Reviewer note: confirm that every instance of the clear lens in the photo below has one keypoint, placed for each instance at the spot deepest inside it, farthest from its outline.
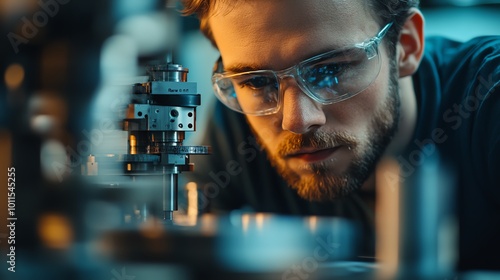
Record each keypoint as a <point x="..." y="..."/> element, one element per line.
<point x="250" y="93"/>
<point x="337" y="76"/>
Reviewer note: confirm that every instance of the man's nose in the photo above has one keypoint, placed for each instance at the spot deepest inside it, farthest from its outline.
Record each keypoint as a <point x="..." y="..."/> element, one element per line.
<point x="301" y="114"/>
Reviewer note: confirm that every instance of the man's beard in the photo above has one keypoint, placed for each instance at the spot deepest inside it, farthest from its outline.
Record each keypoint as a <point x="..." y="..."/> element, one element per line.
<point x="324" y="184"/>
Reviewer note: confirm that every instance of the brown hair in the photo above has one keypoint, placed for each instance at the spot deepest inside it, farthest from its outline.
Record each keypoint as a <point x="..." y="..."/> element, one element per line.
<point x="385" y="11"/>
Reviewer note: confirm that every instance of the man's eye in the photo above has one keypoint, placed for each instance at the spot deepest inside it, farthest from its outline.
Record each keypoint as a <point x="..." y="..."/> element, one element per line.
<point x="325" y="75"/>
<point x="258" y="82"/>
<point x="332" y="69"/>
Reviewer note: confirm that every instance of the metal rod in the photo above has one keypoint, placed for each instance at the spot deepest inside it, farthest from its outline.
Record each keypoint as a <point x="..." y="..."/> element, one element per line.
<point x="169" y="194"/>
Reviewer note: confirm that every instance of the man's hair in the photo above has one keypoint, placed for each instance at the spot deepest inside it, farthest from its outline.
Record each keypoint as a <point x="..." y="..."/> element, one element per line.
<point x="384" y="11"/>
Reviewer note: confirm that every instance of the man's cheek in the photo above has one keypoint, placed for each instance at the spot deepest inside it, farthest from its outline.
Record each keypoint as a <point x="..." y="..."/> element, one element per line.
<point x="264" y="134"/>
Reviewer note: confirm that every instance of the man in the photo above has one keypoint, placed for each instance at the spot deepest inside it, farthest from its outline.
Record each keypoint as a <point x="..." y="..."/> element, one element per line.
<point x="315" y="93"/>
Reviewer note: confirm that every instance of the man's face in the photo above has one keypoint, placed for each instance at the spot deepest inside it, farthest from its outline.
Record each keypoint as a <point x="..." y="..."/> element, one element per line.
<point x="323" y="151"/>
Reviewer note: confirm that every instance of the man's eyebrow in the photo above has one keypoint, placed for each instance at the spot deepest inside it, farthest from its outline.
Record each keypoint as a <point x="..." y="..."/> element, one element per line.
<point x="239" y="68"/>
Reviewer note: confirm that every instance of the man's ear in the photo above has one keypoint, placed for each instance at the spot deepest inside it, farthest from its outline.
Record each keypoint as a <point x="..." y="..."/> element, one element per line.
<point x="411" y="44"/>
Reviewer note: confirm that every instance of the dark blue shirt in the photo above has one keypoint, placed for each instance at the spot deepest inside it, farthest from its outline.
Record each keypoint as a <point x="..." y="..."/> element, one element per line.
<point x="458" y="89"/>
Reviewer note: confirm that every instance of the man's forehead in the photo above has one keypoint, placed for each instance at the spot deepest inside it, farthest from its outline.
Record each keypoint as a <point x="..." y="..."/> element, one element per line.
<point x="337" y="7"/>
<point x="283" y="27"/>
<point x="247" y="16"/>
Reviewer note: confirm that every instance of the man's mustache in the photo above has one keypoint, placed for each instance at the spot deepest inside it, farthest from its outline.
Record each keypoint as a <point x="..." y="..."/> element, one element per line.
<point x="315" y="139"/>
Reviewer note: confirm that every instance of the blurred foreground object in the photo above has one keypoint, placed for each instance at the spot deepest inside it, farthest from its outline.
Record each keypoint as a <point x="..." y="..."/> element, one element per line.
<point x="416" y="220"/>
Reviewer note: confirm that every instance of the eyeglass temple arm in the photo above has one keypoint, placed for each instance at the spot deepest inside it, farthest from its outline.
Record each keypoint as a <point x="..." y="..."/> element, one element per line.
<point x="382" y="33"/>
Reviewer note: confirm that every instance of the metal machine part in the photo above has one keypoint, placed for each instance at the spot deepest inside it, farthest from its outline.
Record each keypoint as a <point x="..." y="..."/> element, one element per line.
<point x="162" y="110"/>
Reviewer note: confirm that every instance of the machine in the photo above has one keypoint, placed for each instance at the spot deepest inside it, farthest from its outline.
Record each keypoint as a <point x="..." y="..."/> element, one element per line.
<point x="162" y="110"/>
